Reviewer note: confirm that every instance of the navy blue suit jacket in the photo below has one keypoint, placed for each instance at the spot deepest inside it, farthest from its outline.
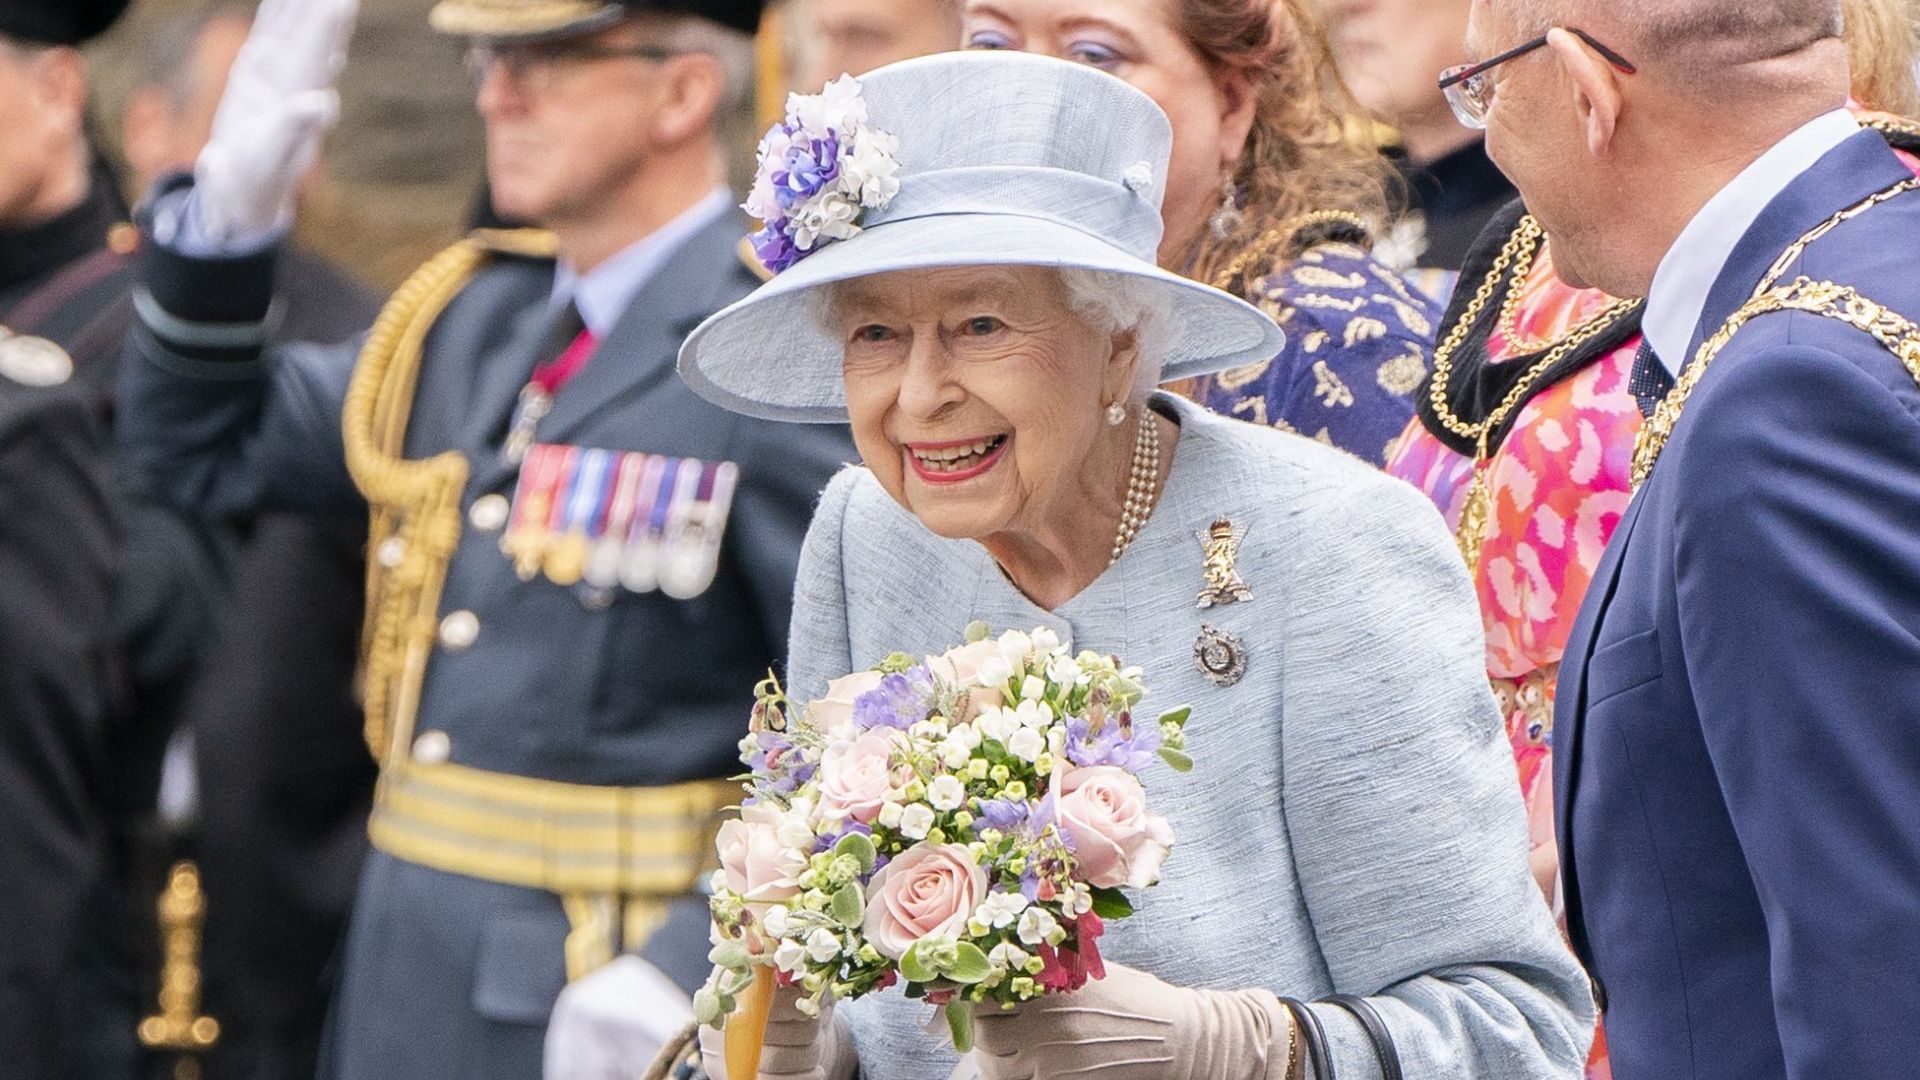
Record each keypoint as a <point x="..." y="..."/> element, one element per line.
<point x="1738" y="737"/>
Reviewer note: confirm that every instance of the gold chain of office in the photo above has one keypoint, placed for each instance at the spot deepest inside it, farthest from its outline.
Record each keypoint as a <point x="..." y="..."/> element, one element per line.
<point x="1509" y="270"/>
<point x="1896" y="333"/>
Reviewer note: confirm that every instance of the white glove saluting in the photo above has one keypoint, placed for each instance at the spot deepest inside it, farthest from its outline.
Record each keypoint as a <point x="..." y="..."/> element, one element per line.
<point x="279" y="103"/>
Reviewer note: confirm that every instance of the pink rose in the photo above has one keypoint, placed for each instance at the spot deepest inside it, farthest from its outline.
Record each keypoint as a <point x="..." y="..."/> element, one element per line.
<point x="855" y="775"/>
<point x="833" y="713"/>
<point x="961" y="668"/>
<point x="752" y="856"/>
<point x="1103" y="810"/>
<point x="926" y="890"/>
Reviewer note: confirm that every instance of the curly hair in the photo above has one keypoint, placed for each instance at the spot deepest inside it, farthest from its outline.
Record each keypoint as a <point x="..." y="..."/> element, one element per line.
<point x="1311" y="147"/>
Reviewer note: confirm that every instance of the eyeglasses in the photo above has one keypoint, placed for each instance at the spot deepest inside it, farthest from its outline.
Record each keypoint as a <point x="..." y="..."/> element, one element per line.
<point x="1470" y="91"/>
<point x="531" y="67"/>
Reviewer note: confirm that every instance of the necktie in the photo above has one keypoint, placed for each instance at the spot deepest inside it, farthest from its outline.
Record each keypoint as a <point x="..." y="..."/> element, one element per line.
<point x="575" y="344"/>
<point x="1650" y="381"/>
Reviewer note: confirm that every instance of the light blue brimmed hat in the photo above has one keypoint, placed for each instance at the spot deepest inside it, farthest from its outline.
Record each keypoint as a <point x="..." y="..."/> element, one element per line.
<point x="958" y="159"/>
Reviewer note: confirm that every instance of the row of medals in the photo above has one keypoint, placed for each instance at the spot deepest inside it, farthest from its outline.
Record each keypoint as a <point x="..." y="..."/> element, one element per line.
<point x="608" y="519"/>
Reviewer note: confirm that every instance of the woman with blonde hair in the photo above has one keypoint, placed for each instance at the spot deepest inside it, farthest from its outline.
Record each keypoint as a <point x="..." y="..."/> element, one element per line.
<point x="1274" y="194"/>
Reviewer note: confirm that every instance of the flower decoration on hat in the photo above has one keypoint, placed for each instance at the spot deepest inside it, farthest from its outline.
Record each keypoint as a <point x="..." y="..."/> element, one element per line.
<point x="821" y="170"/>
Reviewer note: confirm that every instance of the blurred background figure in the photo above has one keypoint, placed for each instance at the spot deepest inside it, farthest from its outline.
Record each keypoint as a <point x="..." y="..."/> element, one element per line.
<point x="852" y="37"/>
<point x="268" y="775"/>
<point x="1391" y="53"/>
<point x="59" y="552"/>
<point x="1883" y="38"/>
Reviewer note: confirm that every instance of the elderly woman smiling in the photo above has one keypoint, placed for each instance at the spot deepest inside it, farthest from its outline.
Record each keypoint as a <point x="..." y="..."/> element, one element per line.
<point x="982" y="305"/>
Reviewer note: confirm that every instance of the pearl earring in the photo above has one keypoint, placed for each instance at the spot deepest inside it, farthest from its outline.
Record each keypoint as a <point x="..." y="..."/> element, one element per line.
<point x="1116" y="414"/>
<point x="1227" y="220"/>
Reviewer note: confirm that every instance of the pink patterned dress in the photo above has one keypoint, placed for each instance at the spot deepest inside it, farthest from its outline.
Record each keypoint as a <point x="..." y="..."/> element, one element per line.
<point x="1559" y="483"/>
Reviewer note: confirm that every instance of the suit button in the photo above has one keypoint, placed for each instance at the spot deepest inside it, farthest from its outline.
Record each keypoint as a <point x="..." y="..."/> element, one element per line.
<point x="489" y="513"/>
<point x="459" y="631"/>
<point x="1599" y="992"/>
<point x="433" y="748"/>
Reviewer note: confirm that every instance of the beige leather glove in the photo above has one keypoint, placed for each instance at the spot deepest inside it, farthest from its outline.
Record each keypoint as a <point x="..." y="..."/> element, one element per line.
<point x="798" y="1046"/>
<point x="1132" y="1026"/>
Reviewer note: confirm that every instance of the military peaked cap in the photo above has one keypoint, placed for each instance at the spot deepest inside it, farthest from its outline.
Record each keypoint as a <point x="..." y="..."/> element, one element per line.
<point x="535" y="19"/>
<point x="58" y="22"/>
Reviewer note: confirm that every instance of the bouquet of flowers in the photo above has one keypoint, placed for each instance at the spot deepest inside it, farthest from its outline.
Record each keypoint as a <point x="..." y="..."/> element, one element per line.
<point x="962" y="823"/>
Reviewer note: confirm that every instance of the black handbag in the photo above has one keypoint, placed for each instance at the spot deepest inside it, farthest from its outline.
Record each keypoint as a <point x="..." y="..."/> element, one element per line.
<point x="1383" y="1047"/>
<point x="1317" y="1056"/>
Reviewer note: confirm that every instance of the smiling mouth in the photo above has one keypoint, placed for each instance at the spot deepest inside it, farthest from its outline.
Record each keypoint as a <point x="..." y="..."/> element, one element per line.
<point x="952" y="462"/>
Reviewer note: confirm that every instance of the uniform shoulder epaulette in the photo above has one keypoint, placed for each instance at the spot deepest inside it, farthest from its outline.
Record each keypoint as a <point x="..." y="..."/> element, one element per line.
<point x="517" y="243"/>
<point x="751" y="260"/>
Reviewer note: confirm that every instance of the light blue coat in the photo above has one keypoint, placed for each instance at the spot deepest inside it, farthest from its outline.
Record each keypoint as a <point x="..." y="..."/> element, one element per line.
<point x="1353" y="823"/>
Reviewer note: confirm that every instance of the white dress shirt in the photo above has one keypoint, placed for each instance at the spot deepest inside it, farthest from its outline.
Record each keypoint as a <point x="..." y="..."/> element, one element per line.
<point x="1687" y="274"/>
<point x="604" y="293"/>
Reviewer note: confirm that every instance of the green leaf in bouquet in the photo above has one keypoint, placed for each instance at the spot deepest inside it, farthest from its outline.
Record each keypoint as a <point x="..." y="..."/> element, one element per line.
<point x="978" y="631"/>
<point x="914" y="968"/>
<point x="960" y="1024"/>
<point x="735" y="982"/>
<point x="1180" y="760"/>
<point x="1111" y="904"/>
<point x="706" y="1007"/>
<point x="860" y="846"/>
<point x="730" y="955"/>
<point x="969" y="964"/>
<point x="849" y="905"/>
<point x="1177" y="716"/>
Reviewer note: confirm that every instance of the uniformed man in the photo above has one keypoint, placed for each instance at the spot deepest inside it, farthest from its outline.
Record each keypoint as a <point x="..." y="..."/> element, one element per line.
<point x="580" y="568"/>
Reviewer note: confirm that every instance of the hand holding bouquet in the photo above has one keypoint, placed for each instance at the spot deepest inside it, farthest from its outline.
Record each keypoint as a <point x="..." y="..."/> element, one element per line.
<point x="963" y="823"/>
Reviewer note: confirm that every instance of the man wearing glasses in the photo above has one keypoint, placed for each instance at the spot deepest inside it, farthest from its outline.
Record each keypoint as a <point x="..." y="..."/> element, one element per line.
<point x="578" y="568"/>
<point x="1738" y="733"/>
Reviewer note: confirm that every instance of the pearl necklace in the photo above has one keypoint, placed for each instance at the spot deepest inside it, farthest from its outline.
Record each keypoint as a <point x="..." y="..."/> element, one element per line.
<point x="1141" y="484"/>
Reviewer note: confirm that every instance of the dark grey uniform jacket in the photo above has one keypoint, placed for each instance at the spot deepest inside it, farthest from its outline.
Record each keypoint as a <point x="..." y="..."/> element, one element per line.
<point x="448" y="976"/>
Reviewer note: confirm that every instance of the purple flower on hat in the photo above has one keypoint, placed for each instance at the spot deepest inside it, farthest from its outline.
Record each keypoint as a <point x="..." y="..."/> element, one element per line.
<point x="820" y="171"/>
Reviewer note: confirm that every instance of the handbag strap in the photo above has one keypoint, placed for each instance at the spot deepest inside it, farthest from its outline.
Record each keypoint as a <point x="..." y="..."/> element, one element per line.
<point x="1369" y="1017"/>
<point x="1319" y="1057"/>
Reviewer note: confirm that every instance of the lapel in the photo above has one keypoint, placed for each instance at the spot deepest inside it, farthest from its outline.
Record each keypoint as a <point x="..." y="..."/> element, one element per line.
<point x="641" y="349"/>
<point x="1571" y="706"/>
<point x="1846" y="175"/>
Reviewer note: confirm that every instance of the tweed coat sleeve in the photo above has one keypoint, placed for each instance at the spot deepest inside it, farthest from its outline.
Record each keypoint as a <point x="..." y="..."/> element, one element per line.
<point x="819" y="647"/>
<point x="1403" y="811"/>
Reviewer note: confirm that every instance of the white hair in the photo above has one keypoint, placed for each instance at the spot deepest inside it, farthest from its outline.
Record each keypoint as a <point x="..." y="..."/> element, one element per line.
<point x="1108" y="302"/>
<point x="1124" y="303"/>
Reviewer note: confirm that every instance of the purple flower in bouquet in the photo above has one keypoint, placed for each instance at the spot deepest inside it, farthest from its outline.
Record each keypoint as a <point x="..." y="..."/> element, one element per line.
<point x="900" y="701"/>
<point x="1002" y="814"/>
<point x="1119" y="743"/>
<point x="773" y="765"/>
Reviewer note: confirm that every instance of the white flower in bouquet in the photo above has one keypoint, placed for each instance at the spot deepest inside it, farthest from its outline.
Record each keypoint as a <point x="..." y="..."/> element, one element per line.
<point x="822" y="945"/>
<point x="1027" y="744"/>
<point x="1001" y="909"/>
<point x="916" y="821"/>
<point x="1039" y="927"/>
<point x="946" y="793"/>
